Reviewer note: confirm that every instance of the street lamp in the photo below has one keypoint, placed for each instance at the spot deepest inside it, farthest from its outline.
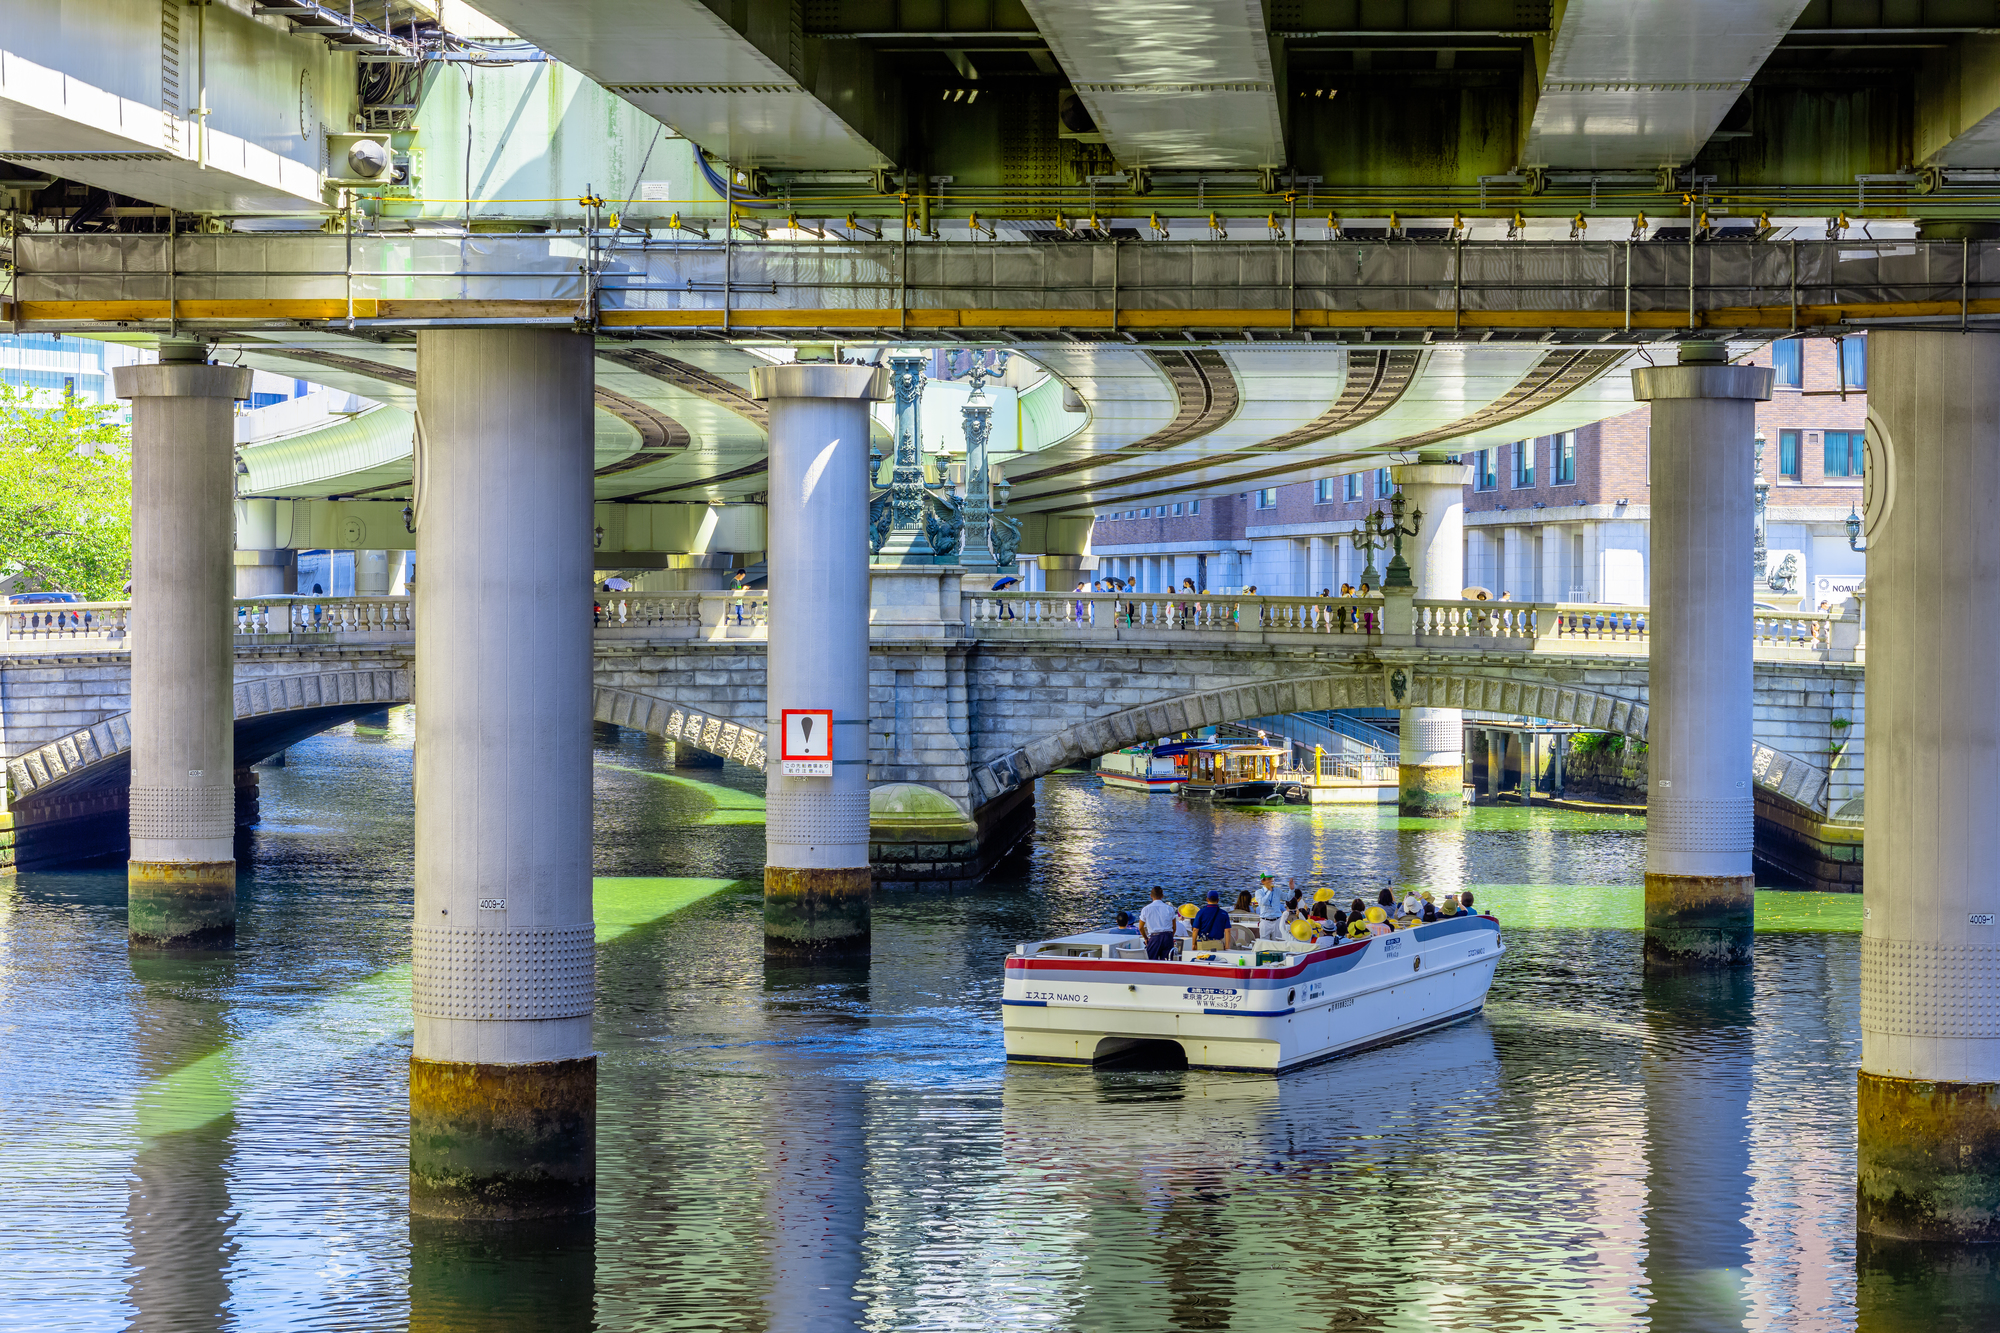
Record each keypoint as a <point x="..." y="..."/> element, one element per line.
<point x="1759" y="554"/>
<point x="1854" y="542"/>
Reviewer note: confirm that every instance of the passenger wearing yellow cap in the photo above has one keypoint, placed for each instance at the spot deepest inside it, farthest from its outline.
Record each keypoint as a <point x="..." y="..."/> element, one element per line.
<point x="1378" y="922"/>
<point x="1184" y="927"/>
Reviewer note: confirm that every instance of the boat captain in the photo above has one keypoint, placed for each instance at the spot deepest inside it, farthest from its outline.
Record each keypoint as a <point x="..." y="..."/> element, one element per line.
<point x="1270" y="909"/>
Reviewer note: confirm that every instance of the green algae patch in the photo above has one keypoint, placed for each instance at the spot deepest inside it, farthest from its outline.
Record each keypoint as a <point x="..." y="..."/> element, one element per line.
<point x="622" y="905"/>
<point x="1785" y="910"/>
<point x="1623" y="907"/>
<point x="730" y="805"/>
<point x="372" y="1009"/>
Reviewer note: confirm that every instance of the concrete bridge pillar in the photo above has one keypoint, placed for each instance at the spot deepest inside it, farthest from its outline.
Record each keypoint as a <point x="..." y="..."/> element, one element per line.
<point x="1699" y="806"/>
<point x="181" y="879"/>
<point x="816" y="873"/>
<point x="503" y="1084"/>
<point x="1430" y="767"/>
<point x="1929" y="1094"/>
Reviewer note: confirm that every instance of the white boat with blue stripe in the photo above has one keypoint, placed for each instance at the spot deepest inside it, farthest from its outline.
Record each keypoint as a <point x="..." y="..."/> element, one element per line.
<point x="1095" y="998"/>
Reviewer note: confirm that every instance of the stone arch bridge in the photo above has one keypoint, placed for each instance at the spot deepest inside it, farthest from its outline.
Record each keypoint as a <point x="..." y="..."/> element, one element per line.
<point x="971" y="708"/>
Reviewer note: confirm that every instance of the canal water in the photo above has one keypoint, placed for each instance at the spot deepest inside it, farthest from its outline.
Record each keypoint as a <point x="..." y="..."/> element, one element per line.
<point x="217" y="1141"/>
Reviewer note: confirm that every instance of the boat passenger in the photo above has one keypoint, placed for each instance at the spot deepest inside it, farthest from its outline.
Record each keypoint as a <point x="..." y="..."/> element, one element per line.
<point x="1124" y="925"/>
<point x="1386" y="900"/>
<point x="1337" y="924"/>
<point x="1449" y="908"/>
<point x="1184" y="926"/>
<point x="1378" y="921"/>
<point x="1413" y="906"/>
<point x="1211" y="924"/>
<point x="1244" y="903"/>
<point x="1430" y="912"/>
<point x="1270" y="908"/>
<point x="1156" y="923"/>
<point x="1465" y="902"/>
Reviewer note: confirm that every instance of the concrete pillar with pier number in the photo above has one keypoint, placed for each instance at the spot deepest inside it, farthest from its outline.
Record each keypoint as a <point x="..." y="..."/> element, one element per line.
<point x="1699" y="805"/>
<point x="503" y="1083"/>
<point x="1929" y="1094"/>
<point x="181" y="879"/>
<point x="817" y="881"/>
<point x="1430" y="765"/>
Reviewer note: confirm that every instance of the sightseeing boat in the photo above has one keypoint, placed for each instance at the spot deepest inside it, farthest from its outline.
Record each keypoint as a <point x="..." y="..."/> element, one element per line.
<point x="1237" y="773"/>
<point x="1095" y="998"/>
<point x="1162" y="767"/>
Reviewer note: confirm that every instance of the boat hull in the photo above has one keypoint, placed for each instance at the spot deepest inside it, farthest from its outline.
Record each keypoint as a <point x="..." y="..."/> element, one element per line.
<point x="1130" y="782"/>
<point x="1329" y="1003"/>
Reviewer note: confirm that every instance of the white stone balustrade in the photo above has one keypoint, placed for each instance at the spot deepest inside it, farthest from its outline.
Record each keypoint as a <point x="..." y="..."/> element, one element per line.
<point x="1555" y="628"/>
<point x="325" y="619"/>
<point x="1172" y="614"/>
<point x="55" y="623"/>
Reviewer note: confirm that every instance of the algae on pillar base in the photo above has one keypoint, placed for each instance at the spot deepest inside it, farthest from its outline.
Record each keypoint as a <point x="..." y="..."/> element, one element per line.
<point x="181" y="878"/>
<point x="1699" y="902"/>
<point x="1928" y="1095"/>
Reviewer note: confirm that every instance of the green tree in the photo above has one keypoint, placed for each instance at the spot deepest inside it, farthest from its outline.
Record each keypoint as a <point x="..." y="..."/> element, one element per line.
<point x="65" y="494"/>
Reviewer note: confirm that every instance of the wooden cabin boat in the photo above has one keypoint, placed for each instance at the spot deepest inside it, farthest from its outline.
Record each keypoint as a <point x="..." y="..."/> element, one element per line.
<point x="1235" y="773"/>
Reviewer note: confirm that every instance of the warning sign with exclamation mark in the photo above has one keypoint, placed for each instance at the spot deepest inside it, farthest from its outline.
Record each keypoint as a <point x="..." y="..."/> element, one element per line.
<point x="806" y="749"/>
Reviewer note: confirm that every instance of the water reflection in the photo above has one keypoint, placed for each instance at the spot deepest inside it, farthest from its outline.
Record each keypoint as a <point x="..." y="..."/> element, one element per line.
<point x="221" y="1142"/>
<point x="1698" y="1074"/>
<point x="178" y="1216"/>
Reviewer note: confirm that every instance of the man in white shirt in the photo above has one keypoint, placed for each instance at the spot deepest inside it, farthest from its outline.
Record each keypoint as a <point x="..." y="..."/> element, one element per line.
<point x="1270" y="909"/>
<point x="1156" y="919"/>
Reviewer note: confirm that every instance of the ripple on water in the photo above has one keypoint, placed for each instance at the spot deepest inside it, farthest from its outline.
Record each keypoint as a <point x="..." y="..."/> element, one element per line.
<point x="219" y="1140"/>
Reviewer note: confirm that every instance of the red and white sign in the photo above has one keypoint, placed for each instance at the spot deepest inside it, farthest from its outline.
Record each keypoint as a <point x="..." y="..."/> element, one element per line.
<point x="806" y="748"/>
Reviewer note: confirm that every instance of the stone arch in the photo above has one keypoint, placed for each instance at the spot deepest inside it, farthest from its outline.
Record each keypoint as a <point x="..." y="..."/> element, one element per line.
<point x="1372" y="686"/>
<point x="662" y="717"/>
<point x="272" y="712"/>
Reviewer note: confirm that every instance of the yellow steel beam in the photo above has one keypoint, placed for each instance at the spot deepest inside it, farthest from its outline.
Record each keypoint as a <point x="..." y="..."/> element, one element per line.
<point x="250" y="311"/>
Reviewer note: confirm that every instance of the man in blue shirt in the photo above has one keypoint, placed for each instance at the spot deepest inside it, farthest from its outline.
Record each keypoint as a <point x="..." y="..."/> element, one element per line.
<point x="1270" y="909"/>
<point x="1211" y="923"/>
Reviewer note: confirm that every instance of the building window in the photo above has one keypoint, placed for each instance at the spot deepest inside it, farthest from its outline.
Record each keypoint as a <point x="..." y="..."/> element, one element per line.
<point x="1524" y="464"/>
<point x="1268" y="498"/>
<point x="1326" y="490"/>
<point x="1485" y="474"/>
<point x="1788" y="455"/>
<point x="1788" y="360"/>
<point x="1843" y="453"/>
<point x="1351" y="488"/>
<point x="1194" y="507"/>
<point x="1177" y="511"/>
<point x="1854" y="362"/>
<point x="1562" y="453"/>
<point x="1383" y="486"/>
<point x="1129" y="513"/>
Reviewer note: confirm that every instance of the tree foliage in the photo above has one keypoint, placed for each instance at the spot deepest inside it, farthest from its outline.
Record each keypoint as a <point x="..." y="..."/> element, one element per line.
<point x="65" y="494"/>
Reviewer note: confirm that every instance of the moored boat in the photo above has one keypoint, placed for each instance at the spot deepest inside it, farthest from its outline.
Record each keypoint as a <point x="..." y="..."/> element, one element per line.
<point x="1238" y="773"/>
<point x="1162" y="767"/>
<point x="1095" y="997"/>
